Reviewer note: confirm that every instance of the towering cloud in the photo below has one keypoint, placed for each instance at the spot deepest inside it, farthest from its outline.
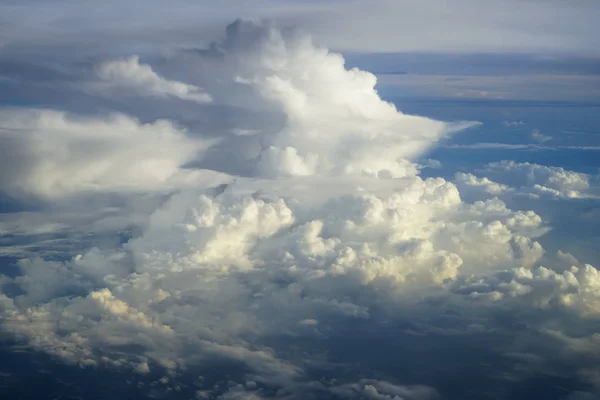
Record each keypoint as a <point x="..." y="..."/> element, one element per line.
<point x="321" y="119"/>
<point x="322" y="266"/>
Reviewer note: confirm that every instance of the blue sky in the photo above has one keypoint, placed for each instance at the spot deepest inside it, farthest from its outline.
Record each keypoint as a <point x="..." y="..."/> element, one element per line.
<point x="323" y="200"/>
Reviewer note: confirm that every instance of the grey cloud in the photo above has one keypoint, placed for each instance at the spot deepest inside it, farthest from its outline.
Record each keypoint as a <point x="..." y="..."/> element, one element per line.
<point x="386" y="26"/>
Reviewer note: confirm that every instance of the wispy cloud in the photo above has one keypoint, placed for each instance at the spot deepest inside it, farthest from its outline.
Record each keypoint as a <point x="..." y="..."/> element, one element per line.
<point x="512" y="124"/>
<point x="512" y="146"/>
<point x="557" y="87"/>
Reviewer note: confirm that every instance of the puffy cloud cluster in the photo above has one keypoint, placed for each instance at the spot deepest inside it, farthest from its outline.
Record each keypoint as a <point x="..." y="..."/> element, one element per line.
<point x="226" y="273"/>
<point x="326" y="238"/>
<point x="577" y="288"/>
<point x="532" y="180"/>
<point x="540" y="180"/>
<point x="130" y="74"/>
<point x="479" y="188"/>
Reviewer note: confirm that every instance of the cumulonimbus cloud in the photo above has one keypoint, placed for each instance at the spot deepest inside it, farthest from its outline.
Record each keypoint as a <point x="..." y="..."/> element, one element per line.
<point x="325" y="252"/>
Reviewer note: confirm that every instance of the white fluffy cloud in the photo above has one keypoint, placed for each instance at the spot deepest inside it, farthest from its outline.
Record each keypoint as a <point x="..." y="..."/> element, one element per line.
<point x="577" y="288"/>
<point x="328" y="235"/>
<point x="128" y="73"/>
<point x="479" y="188"/>
<point x="327" y="120"/>
<point x="540" y="180"/>
<point x="52" y="153"/>
<point x="506" y="178"/>
<point x="322" y="119"/>
<point x="222" y="274"/>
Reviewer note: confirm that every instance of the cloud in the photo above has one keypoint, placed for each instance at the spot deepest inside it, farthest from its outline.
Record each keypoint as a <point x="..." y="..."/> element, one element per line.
<point x="386" y="26"/>
<point x="52" y="153"/>
<point x="540" y="179"/>
<point x="381" y="390"/>
<point x="431" y="163"/>
<point x="308" y="259"/>
<point x="508" y="146"/>
<point x="473" y="187"/>
<point x="221" y="274"/>
<point x="539" y="137"/>
<point x="322" y="120"/>
<point x="332" y="121"/>
<point x="575" y="289"/>
<point x="488" y="146"/>
<point x="512" y="182"/>
<point x="130" y="74"/>
<point x="486" y="21"/>
<point x="494" y="84"/>
<point x="513" y="123"/>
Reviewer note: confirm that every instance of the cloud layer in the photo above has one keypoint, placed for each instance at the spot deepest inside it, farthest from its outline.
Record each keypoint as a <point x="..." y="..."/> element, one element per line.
<point x="460" y="26"/>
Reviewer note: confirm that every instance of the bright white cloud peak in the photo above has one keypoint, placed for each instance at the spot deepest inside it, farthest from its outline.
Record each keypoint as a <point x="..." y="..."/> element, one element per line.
<point x="327" y="237"/>
<point x="333" y="121"/>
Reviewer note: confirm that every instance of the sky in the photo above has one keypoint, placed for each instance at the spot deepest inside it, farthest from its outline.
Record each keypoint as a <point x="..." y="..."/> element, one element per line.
<point x="351" y="199"/>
